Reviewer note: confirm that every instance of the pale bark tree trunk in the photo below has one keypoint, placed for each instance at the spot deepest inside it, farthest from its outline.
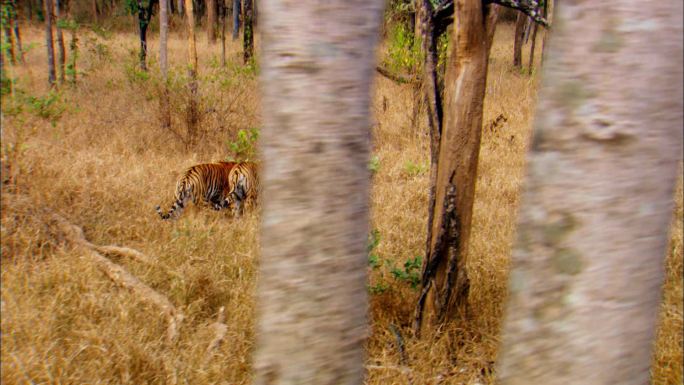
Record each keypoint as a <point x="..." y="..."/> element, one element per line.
<point x="180" y="7"/>
<point x="248" y="33"/>
<point x="223" y="11"/>
<point x="587" y="265"/>
<point x="520" y="23"/>
<point x="163" y="62"/>
<point x="315" y="216"/>
<point x="61" y="53"/>
<point x="49" y="42"/>
<point x="445" y="282"/>
<point x="236" y="18"/>
<point x="211" y="21"/>
<point x="192" y="112"/>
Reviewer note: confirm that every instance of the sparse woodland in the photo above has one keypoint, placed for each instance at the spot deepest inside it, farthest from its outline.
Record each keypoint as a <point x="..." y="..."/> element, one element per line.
<point x="105" y="102"/>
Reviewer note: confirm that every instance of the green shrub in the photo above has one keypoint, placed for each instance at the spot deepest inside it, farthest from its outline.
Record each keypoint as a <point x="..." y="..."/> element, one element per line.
<point x="244" y="146"/>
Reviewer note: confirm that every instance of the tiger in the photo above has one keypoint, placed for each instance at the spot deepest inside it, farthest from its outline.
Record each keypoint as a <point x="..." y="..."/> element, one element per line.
<point x="209" y="181"/>
<point x="243" y="187"/>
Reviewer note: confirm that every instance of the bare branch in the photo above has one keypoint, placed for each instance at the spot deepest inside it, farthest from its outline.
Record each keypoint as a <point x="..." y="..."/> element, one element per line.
<point x="399" y="78"/>
<point x="528" y="7"/>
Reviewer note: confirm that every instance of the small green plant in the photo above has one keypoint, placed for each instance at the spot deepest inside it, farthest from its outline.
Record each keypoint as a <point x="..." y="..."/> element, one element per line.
<point x="414" y="169"/>
<point x="374" y="164"/>
<point x="373" y="241"/>
<point x="378" y="288"/>
<point x="244" y="146"/>
<point x="48" y="107"/>
<point x="403" y="52"/>
<point x="410" y="273"/>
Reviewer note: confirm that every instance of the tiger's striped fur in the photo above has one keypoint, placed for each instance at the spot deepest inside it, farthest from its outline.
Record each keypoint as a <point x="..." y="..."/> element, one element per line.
<point x="208" y="181"/>
<point x="244" y="187"/>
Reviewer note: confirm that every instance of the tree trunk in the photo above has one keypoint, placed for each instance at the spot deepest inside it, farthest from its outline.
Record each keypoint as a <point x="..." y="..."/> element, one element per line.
<point x="61" y="53"/>
<point x="96" y="13"/>
<point x="315" y="214"/>
<point x="211" y="21"/>
<point x="192" y="112"/>
<point x="520" y="23"/>
<point x="222" y="13"/>
<point x="445" y="282"/>
<point x="587" y="265"/>
<point x="236" y="18"/>
<point x="7" y="21"/>
<point x="163" y="62"/>
<point x="180" y="7"/>
<point x="548" y="15"/>
<point x="534" y="42"/>
<point x="73" y="54"/>
<point x="144" y="17"/>
<point x="17" y="35"/>
<point x="49" y="42"/>
<point x="248" y="33"/>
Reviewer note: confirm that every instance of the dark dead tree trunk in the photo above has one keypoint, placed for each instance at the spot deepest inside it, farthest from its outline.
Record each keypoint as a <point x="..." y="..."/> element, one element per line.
<point x="61" y="53"/>
<point x="520" y="23"/>
<point x="95" y="10"/>
<point x="49" y="42"/>
<point x="248" y="33"/>
<point x="144" y="17"/>
<point x="222" y="14"/>
<point x="532" y="46"/>
<point x="236" y="18"/>
<point x="587" y="267"/>
<point x="211" y="20"/>
<point x="312" y="331"/>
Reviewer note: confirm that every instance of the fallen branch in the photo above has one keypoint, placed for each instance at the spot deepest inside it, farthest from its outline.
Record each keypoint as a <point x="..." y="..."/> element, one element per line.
<point x="528" y="7"/>
<point x="399" y="78"/>
<point x="220" y="329"/>
<point x="127" y="252"/>
<point x="119" y="275"/>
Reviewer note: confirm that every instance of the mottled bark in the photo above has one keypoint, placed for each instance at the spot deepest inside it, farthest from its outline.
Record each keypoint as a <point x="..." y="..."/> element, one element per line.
<point x="318" y="66"/>
<point x="192" y="115"/>
<point x="593" y="228"/>
<point x="49" y="42"/>
<point x="61" y="51"/>
<point x="248" y="33"/>
<point x="211" y="21"/>
<point x="445" y="282"/>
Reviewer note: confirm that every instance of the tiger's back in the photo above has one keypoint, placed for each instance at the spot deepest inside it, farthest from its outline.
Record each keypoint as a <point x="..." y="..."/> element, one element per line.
<point x="208" y="181"/>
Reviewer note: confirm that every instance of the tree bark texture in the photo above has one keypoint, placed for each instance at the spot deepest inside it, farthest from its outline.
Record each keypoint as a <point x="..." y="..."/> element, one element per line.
<point x="61" y="53"/>
<point x="49" y="42"/>
<point x="165" y="108"/>
<point x="520" y="24"/>
<point x="445" y="283"/>
<point x="587" y="266"/>
<point x="248" y="33"/>
<point x="318" y="66"/>
<point x="236" y="18"/>
<point x="193" y="103"/>
<point x="211" y="20"/>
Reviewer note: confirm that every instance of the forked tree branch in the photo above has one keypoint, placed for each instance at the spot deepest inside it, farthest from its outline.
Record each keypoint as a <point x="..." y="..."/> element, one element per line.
<point x="528" y="7"/>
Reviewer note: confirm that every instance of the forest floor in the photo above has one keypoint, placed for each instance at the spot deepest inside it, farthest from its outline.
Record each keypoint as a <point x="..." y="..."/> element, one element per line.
<point x="96" y="154"/>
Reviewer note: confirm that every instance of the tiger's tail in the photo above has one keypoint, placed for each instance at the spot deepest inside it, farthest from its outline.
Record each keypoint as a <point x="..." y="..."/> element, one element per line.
<point x="182" y="196"/>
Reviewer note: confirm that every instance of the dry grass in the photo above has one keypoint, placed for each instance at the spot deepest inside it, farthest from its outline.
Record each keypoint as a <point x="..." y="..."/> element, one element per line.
<point x="106" y="163"/>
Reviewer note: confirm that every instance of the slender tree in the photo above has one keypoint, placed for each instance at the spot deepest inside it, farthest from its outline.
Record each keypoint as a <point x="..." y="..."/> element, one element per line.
<point x="222" y="15"/>
<point x="236" y="18"/>
<point x="95" y="10"/>
<point x="193" y="103"/>
<point x="49" y="41"/>
<point x="61" y="53"/>
<point x="17" y="34"/>
<point x="315" y="214"/>
<point x="520" y="25"/>
<point x="532" y="46"/>
<point x="211" y="20"/>
<point x="587" y="265"/>
<point x="163" y="62"/>
<point x="7" y="20"/>
<point x="144" y="17"/>
<point x="248" y="33"/>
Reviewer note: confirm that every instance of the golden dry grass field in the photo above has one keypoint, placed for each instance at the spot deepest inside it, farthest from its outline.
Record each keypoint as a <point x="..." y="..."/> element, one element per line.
<point x="97" y="155"/>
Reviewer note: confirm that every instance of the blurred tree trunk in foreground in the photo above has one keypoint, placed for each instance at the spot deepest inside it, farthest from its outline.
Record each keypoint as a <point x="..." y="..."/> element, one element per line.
<point x="49" y="42"/>
<point x="587" y="265"/>
<point x="248" y="32"/>
<point x="457" y="145"/>
<point x="318" y="66"/>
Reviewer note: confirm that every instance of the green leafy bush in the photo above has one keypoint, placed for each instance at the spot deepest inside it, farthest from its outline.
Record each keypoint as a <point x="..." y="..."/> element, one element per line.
<point x="244" y="146"/>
